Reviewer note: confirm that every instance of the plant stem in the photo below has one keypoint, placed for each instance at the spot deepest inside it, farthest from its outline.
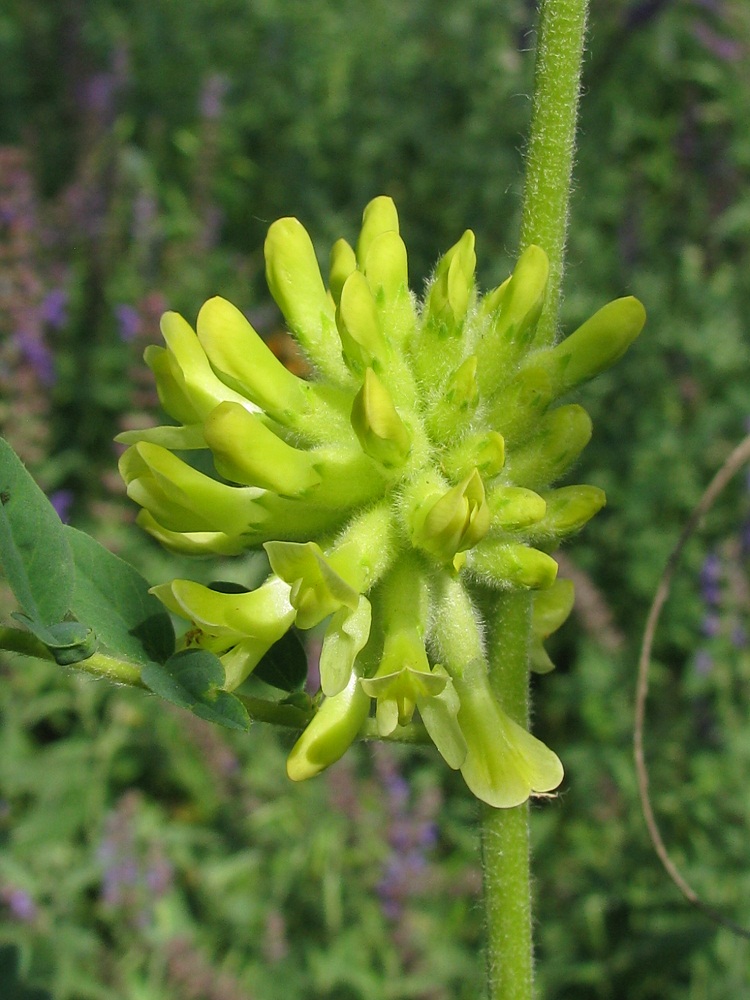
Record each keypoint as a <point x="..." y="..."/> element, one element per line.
<point x="505" y="832"/>
<point x="21" y="642"/>
<point x="549" y="160"/>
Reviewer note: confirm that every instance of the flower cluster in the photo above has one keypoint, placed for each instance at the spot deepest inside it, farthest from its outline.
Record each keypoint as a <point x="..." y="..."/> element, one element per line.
<point x="399" y="493"/>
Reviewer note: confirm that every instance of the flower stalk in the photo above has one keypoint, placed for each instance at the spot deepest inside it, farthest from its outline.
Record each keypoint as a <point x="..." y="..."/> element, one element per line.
<point x="514" y="644"/>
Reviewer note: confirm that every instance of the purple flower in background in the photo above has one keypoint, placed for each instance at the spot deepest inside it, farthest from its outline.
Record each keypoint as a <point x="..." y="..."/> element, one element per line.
<point x="710" y="579"/>
<point x="711" y="625"/>
<point x="134" y="874"/>
<point x="19" y="903"/>
<point x="724" y="48"/>
<point x="128" y="321"/>
<point x="739" y="637"/>
<point x="99" y="92"/>
<point x="38" y="355"/>
<point x="411" y="833"/>
<point x="54" y="308"/>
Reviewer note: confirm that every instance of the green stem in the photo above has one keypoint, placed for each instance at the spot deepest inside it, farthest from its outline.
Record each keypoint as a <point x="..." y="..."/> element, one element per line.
<point x="549" y="160"/>
<point x="505" y="833"/>
<point x="15" y="640"/>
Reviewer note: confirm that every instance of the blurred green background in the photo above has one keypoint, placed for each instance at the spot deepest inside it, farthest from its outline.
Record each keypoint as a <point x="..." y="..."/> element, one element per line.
<point x="145" y="147"/>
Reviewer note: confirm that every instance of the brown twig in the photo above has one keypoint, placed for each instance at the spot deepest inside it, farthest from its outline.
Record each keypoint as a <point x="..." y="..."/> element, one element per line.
<point x="733" y="464"/>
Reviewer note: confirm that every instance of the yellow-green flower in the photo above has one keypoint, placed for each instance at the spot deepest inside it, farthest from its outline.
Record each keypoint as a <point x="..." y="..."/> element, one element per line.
<point x="397" y="492"/>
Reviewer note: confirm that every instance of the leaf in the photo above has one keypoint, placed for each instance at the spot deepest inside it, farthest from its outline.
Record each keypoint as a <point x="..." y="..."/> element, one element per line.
<point x="112" y="598"/>
<point x="285" y="664"/>
<point x="193" y="679"/>
<point x="34" y="551"/>
<point x="68" y="641"/>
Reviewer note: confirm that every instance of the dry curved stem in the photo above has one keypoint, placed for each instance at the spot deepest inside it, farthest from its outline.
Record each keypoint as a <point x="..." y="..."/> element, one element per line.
<point x="733" y="464"/>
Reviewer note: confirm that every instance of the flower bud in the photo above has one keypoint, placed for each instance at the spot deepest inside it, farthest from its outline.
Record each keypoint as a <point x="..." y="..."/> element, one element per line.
<point x="484" y="451"/>
<point x="568" y="509"/>
<point x="331" y="732"/>
<point x="294" y="280"/>
<point x="457" y="402"/>
<point x="511" y="327"/>
<point x="169" y="386"/>
<point x="511" y="565"/>
<point x="343" y="262"/>
<point x="380" y="216"/>
<point x="244" y="362"/>
<point x="451" y="289"/>
<point x="359" y="326"/>
<point x="440" y="345"/>
<point x="492" y="300"/>
<point x="191" y="369"/>
<point x="513" y="507"/>
<point x="246" y="451"/>
<point x="444" y="525"/>
<point x="182" y="499"/>
<point x="387" y="272"/>
<point x="593" y="347"/>
<point x="561" y="435"/>
<point x="380" y="430"/>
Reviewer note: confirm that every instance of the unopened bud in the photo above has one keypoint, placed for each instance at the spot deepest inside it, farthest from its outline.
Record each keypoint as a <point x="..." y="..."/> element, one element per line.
<point x="511" y="565"/>
<point x="447" y="524"/>
<point x="245" y="363"/>
<point x="246" y="451"/>
<point x="561" y="435"/>
<point x="294" y="280"/>
<point x="359" y="325"/>
<point x="512" y="326"/>
<point x="380" y="430"/>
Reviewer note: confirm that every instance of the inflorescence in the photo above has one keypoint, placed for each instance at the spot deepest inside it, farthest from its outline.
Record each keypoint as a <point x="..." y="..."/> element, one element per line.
<point x="400" y="494"/>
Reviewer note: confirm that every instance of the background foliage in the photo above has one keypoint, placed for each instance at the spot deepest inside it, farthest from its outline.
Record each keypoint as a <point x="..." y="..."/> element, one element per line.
<point x="144" y="149"/>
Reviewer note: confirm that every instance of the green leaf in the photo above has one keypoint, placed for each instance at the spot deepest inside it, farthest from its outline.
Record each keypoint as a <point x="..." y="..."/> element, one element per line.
<point x="193" y="679"/>
<point x="68" y="641"/>
<point x="34" y="551"/>
<point x="285" y="664"/>
<point x="112" y="598"/>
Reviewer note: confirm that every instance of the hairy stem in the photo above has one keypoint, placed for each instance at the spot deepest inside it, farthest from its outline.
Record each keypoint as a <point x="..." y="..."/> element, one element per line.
<point x="549" y="160"/>
<point x="505" y="833"/>
<point x="15" y="640"/>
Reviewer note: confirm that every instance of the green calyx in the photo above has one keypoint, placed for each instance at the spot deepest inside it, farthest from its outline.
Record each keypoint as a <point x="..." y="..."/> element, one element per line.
<point x="403" y="488"/>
